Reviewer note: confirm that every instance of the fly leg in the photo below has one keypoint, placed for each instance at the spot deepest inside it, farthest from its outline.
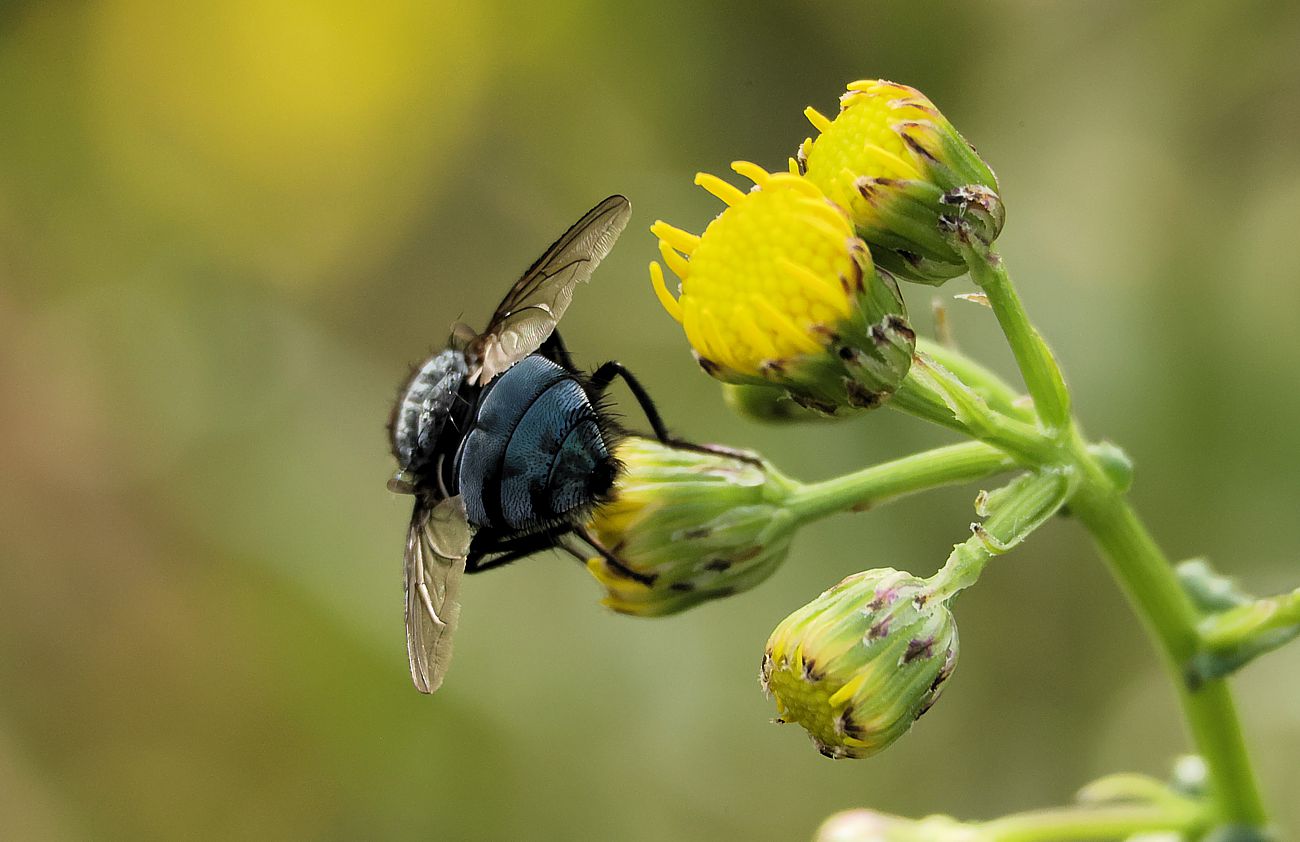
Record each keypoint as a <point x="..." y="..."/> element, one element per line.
<point x="505" y="550"/>
<point x="602" y="377"/>
<point x="610" y="559"/>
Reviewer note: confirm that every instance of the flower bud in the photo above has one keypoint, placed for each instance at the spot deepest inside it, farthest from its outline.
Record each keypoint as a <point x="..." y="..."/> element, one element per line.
<point x="899" y="168"/>
<point x="687" y="525"/>
<point x="857" y="665"/>
<point x="872" y="826"/>
<point x="778" y="291"/>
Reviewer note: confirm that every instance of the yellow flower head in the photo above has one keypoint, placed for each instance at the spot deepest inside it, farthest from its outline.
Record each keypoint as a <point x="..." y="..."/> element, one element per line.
<point x="860" y="663"/>
<point x="777" y="288"/>
<point x="688" y="525"/>
<point x="897" y="166"/>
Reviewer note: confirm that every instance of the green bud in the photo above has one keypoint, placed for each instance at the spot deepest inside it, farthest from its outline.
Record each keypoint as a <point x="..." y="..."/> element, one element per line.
<point x="860" y="663"/>
<point x="687" y="525"/>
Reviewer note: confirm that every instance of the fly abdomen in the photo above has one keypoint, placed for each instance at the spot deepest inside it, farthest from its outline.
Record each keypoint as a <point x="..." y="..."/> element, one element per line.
<point x="536" y="451"/>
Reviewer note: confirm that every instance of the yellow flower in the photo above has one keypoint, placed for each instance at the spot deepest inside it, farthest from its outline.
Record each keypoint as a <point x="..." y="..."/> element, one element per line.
<point x="687" y="525"/>
<point x="779" y="291"/>
<point x="898" y="167"/>
<point x="860" y="663"/>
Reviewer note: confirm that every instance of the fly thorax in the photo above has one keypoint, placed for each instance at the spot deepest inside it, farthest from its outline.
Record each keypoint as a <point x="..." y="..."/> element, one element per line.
<point x="423" y="408"/>
<point x="535" y="452"/>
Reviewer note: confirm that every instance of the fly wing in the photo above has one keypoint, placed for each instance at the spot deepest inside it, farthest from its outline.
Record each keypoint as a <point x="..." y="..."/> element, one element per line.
<point x="437" y="544"/>
<point x="534" y="305"/>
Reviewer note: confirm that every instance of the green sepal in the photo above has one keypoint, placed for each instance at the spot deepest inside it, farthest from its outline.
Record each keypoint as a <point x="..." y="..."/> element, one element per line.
<point x="768" y="404"/>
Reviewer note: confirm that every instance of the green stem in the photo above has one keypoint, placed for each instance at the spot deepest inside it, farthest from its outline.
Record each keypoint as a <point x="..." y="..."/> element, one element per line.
<point x="918" y="398"/>
<point x="1116" y="822"/>
<point x="1153" y="590"/>
<point x="1012" y="513"/>
<point x="950" y="465"/>
<point x="1037" y="365"/>
<point x="1134" y="558"/>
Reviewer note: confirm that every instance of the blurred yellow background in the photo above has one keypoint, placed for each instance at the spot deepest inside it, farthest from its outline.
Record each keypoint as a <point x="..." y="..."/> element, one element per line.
<point x="225" y="231"/>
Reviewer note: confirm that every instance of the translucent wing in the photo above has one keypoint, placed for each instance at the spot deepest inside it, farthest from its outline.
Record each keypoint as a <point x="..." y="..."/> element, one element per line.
<point x="437" y="544"/>
<point x="534" y="305"/>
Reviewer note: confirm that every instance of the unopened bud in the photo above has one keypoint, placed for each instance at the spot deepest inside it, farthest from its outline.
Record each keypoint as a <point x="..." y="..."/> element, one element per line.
<point x="905" y="176"/>
<point x="687" y="525"/>
<point x="860" y="663"/>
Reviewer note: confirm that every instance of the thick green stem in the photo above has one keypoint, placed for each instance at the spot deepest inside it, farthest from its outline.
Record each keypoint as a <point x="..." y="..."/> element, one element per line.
<point x="1134" y="558"/>
<point x="1153" y="590"/>
<point x="943" y="466"/>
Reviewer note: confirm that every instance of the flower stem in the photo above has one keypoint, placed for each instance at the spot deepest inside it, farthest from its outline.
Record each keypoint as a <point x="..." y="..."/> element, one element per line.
<point x="1135" y="560"/>
<point x="1012" y="513"/>
<point x="1116" y="822"/>
<point x="1153" y="590"/>
<point x="921" y="394"/>
<point x="1037" y="365"/>
<point x="950" y="465"/>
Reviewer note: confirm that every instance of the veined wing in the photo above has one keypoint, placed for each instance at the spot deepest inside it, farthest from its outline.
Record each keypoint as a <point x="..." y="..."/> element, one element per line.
<point x="437" y="544"/>
<point x="534" y="305"/>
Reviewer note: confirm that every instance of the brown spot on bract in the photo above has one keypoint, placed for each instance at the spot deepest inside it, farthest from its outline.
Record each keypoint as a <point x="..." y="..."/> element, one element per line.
<point x="918" y="648"/>
<point x="718" y="565"/>
<point x="848" y="726"/>
<point x="682" y="587"/>
<point x="862" y="397"/>
<point x="710" y="367"/>
<point x="810" y="672"/>
<point x="899" y="325"/>
<point x="916" y="145"/>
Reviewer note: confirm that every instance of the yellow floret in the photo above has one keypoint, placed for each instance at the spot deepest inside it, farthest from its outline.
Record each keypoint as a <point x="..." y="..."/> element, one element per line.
<point x="766" y="277"/>
<point x="863" y="139"/>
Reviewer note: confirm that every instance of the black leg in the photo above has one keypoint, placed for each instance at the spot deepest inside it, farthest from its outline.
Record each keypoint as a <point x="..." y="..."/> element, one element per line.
<point x="506" y="550"/>
<point x="553" y="349"/>
<point x="612" y="559"/>
<point x="603" y="376"/>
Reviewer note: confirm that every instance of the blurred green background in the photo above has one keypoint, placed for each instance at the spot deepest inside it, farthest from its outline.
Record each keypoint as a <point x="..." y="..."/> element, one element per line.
<point x="226" y="230"/>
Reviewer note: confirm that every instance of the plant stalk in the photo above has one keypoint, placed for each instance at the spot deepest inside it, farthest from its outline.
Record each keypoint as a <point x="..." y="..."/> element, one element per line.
<point x="1135" y="559"/>
<point x="1155" y="594"/>
<point x="942" y="466"/>
<point x="1037" y="365"/>
<point x="1116" y="822"/>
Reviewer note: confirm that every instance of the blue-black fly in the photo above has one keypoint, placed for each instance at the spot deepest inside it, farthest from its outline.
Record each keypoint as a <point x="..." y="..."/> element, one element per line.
<point x="504" y="443"/>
